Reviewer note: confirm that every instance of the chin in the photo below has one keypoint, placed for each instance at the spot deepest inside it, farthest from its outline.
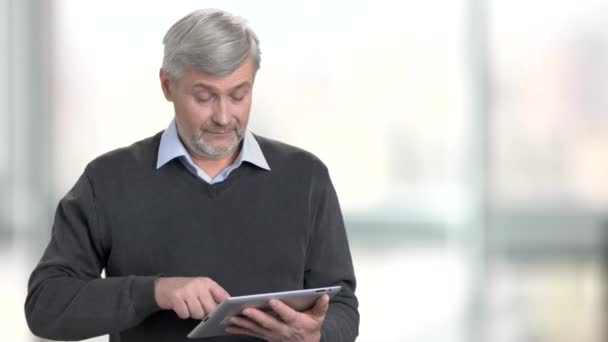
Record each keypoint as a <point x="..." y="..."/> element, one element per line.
<point x="222" y="151"/>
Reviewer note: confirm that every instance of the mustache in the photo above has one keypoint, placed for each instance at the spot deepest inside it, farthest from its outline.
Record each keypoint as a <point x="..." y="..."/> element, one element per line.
<point x="220" y="129"/>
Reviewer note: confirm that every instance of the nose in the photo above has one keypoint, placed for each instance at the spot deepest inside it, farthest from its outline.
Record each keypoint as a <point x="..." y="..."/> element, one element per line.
<point x="221" y="115"/>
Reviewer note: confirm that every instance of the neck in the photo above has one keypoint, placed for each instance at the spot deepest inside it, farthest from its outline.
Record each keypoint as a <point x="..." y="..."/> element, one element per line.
<point x="213" y="166"/>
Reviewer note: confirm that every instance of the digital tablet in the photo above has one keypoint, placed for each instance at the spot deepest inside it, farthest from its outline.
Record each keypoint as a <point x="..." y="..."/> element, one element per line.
<point x="216" y="322"/>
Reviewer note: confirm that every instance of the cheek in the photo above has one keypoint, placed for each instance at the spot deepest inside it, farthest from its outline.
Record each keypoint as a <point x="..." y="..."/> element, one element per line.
<point x="191" y="112"/>
<point x="241" y="111"/>
<point x="187" y="122"/>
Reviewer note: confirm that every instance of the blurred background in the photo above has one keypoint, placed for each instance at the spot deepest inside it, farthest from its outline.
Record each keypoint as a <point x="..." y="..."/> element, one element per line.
<point x="480" y="129"/>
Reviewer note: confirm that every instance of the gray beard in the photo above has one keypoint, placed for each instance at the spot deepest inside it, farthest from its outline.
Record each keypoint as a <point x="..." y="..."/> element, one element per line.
<point x="200" y="146"/>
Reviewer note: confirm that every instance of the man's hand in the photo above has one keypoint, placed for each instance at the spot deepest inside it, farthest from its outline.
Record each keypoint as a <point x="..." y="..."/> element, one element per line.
<point x="188" y="297"/>
<point x="289" y="326"/>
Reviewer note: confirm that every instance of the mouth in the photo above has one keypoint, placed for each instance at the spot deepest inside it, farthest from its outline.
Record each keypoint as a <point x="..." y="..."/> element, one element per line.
<point x="219" y="133"/>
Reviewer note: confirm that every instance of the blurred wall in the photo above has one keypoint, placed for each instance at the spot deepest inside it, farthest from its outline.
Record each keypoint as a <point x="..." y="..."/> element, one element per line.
<point x="478" y="130"/>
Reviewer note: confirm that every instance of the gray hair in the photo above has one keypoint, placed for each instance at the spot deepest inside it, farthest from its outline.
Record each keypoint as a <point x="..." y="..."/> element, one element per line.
<point x="213" y="41"/>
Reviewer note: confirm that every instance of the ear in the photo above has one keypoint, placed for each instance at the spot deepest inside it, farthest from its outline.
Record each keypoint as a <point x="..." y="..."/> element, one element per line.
<point x="165" y="84"/>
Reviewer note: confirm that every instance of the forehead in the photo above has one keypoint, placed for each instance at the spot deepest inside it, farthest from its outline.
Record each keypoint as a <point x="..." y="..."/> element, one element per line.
<point x="194" y="78"/>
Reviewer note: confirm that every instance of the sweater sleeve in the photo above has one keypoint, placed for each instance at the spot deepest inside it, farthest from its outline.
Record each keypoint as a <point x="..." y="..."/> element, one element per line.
<point x="67" y="298"/>
<point x="329" y="261"/>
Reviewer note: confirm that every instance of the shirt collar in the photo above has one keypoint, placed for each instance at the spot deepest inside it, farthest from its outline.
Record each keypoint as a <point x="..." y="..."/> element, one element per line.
<point x="171" y="147"/>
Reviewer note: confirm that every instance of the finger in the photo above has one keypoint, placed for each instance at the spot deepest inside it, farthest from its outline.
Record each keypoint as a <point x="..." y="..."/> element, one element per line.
<point x="195" y="308"/>
<point x="218" y="293"/>
<point x="250" y="325"/>
<point x="208" y="303"/>
<point x="263" y="319"/>
<point x="320" y="308"/>
<point x="231" y="329"/>
<point x="286" y="313"/>
<point x="180" y="308"/>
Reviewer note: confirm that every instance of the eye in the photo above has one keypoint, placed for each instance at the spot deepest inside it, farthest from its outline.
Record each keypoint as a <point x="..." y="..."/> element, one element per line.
<point x="238" y="96"/>
<point x="200" y="99"/>
<point x="206" y="97"/>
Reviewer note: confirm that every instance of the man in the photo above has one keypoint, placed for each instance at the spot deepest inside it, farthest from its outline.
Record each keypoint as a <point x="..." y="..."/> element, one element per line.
<point x="196" y="213"/>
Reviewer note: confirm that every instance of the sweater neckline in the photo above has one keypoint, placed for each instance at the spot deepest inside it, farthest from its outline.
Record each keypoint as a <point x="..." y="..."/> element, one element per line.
<point x="177" y="169"/>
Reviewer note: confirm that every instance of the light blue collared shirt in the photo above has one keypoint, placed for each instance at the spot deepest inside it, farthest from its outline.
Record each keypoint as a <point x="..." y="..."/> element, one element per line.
<point x="171" y="147"/>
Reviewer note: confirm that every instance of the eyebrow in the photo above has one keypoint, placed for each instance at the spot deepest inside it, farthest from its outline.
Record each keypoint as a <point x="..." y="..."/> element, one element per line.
<point x="201" y="85"/>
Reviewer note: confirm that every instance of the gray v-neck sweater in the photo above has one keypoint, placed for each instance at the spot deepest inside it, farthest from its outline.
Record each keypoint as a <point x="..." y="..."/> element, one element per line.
<point x="257" y="231"/>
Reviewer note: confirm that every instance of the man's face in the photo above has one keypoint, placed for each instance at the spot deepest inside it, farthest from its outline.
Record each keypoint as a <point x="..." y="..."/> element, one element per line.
<point x="211" y="112"/>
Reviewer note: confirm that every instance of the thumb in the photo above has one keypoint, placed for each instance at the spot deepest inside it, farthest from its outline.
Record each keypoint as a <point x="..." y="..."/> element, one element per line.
<point x="320" y="308"/>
